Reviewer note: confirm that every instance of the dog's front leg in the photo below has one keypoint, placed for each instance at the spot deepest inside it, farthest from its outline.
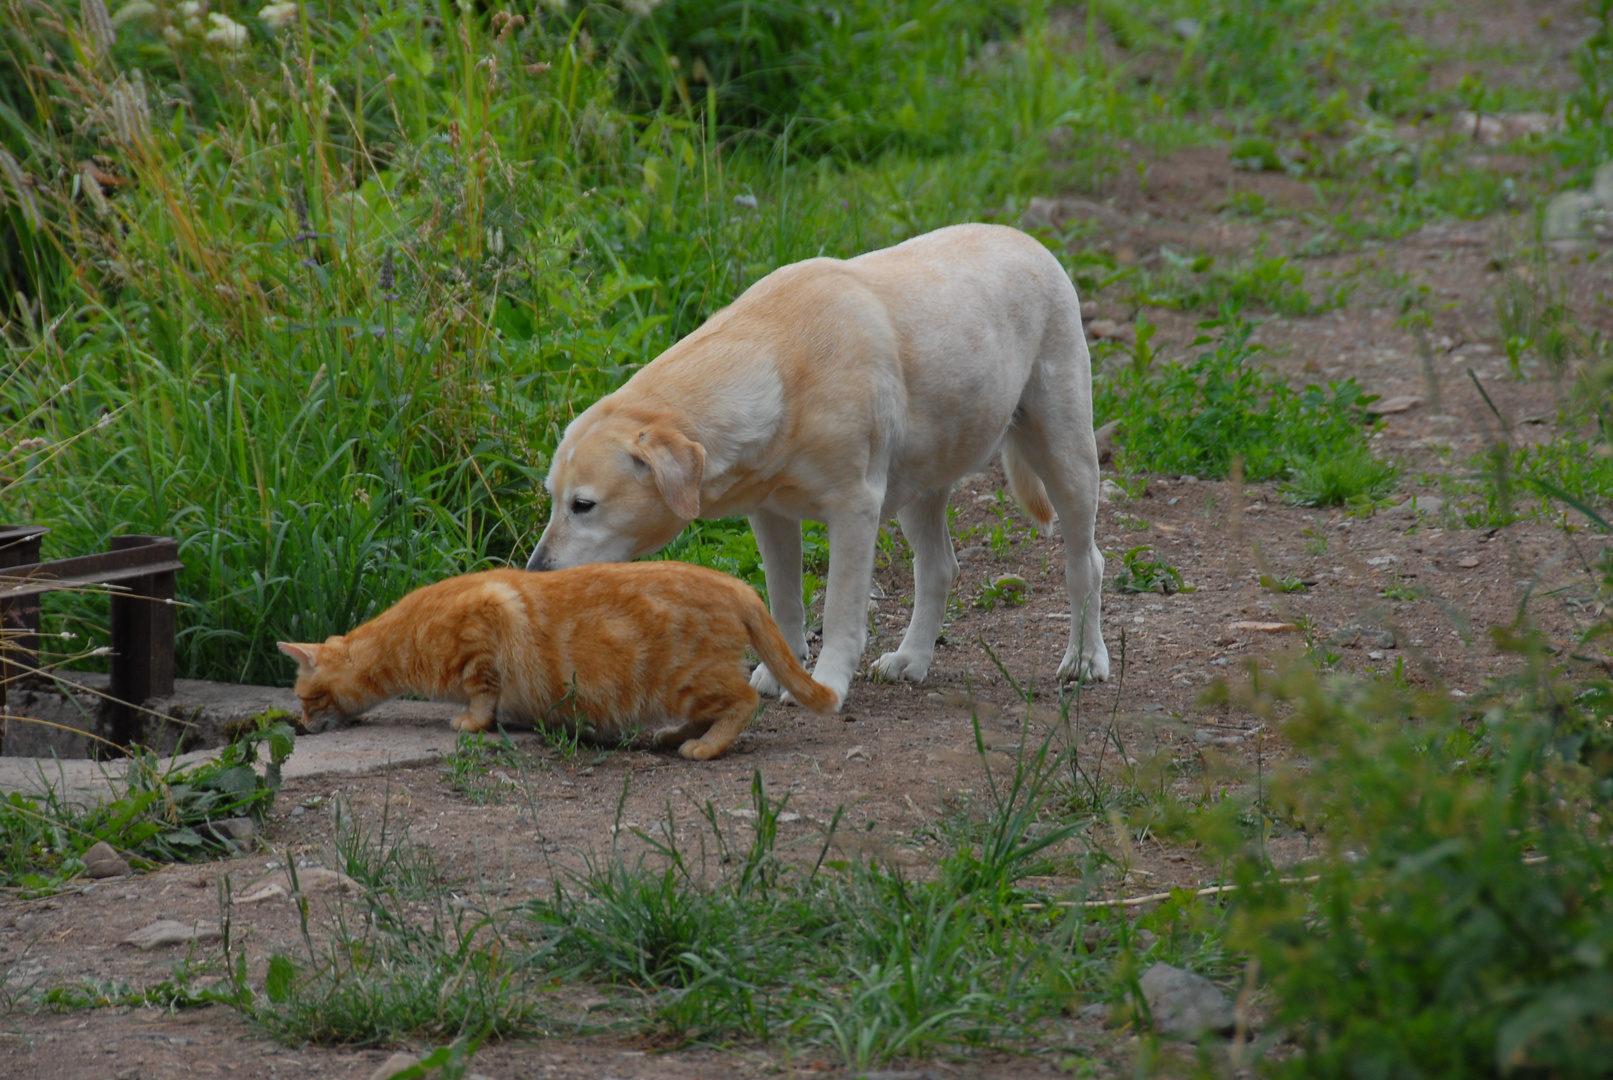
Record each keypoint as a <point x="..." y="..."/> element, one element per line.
<point x="853" y="531"/>
<point x="935" y="568"/>
<point x="779" y="540"/>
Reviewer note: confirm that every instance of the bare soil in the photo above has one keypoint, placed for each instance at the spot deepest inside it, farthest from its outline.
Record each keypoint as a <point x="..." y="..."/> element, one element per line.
<point x="901" y="756"/>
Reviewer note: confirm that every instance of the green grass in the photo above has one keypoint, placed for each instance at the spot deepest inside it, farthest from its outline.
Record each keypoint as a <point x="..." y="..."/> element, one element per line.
<point x="1197" y="417"/>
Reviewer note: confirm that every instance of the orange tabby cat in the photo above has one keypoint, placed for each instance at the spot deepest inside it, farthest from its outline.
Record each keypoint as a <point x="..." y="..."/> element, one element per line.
<point x="602" y="648"/>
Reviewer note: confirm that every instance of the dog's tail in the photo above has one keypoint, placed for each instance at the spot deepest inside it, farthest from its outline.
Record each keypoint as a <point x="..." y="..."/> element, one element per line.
<point x="775" y="653"/>
<point x="1025" y="484"/>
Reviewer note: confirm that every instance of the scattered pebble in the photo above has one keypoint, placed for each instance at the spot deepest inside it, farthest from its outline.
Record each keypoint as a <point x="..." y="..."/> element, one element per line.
<point x="102" y="861"/>
<point x="1184" y="1005"/>
<point x="171" y="932"/>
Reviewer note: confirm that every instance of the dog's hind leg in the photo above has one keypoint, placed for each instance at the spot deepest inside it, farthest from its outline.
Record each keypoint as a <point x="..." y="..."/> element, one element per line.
<point x="935" y="568"/>
<point x="1053" y="434"/>
<point x="779" y="540"/>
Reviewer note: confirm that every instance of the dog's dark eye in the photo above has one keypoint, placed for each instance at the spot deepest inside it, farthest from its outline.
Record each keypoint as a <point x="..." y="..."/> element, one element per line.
<point x="581" y="506"/>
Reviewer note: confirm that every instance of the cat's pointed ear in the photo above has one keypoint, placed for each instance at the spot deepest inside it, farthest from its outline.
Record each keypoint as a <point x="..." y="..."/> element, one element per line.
<point x="307" y="656"/>
<point x="678" y="464"/>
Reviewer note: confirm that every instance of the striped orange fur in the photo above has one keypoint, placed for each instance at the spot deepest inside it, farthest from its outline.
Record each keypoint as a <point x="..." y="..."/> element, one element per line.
<point x="603" y="649"/>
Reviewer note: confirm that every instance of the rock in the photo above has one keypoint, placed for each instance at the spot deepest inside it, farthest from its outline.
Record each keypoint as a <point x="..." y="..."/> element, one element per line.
<point x="1109" y="491"/>
<point x="1089" y="310"/>
<point x="310" y="880"/>
<point x="1045" y="213"/>
<point x="101" y="861"/>
<point x="1383" y="639"/>
<point x="1493" y="129"/>
<point x="1106" y="440"/>
<point x="859" y="753"/>
<point x="1263" y="627"/>
<point x="974" y="552"/>
<point x="1568" y="215"/>
<point x="240" y="831"/>
<point x="1106" y="330"/>
<point x="393" y="1065"/>
<point x="1398" y="404"/>
<point x="1429" y="505"/>
<point x="1468" y="562"/>
<point x="1602" y="186"/>
<point x="170" y="932"/>
<point x="1187" y="29"/>
<point x="1184" y="1005"/>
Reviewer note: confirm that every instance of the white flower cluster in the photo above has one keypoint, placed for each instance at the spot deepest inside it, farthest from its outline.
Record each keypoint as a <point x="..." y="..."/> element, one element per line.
<point x="641" y="9"/>
<point x="278" y="16"/>
<point x="215" y="28"/>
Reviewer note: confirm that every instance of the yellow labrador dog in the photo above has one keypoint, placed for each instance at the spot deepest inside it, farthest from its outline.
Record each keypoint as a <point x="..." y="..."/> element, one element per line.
<point x="848" y="392"/>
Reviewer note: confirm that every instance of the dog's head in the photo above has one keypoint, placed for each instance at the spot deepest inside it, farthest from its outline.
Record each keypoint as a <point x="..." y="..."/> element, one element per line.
<point x="623" y="484"/>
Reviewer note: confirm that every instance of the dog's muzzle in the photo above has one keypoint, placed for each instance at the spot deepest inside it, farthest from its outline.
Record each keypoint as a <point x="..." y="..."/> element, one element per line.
<point x="539" y="560"/>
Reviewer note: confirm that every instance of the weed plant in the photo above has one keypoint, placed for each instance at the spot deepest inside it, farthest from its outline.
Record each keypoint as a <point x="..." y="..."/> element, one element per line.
<point x="159" y="813"/>
<point x="1196" y="417"/>
<point x="1462" y="932"/>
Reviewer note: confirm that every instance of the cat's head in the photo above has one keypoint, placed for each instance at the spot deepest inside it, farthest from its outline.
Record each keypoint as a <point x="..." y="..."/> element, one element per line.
<point x="325" y="683"/>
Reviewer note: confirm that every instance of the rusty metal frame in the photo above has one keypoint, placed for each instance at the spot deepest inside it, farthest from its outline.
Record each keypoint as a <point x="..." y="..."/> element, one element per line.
<point x="139" y="572"/>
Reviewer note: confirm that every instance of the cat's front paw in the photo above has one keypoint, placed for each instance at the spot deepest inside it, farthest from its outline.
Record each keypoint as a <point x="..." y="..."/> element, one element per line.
<point x="469" y="721"/>
<point x="699" y="750"/>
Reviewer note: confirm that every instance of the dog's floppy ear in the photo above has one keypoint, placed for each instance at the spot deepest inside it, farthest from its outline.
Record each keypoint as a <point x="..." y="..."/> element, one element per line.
<point x="307" y="656"/>
<point x="677" y="462"/>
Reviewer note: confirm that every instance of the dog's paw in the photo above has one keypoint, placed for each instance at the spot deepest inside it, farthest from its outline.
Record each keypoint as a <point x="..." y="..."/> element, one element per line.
<point x="895" y="666"/>
<point x="1091" y="668"/>
<point x="765" y="682"/>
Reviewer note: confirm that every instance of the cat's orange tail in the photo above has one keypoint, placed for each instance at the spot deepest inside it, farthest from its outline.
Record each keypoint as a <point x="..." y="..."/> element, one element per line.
<point x="775" y="653"/>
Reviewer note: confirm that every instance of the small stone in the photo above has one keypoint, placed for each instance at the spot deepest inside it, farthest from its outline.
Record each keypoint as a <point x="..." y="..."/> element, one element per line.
<point x="1097" y="1012"/>
<point x="1184" y="1005"/>
<point x="1568" y="215"/>
<point x="973" y="552"/>
<point x="1374" y="655"/>
<point x="1398" y="404"/>
<point x="1383" y="639"/>
<point x="859" y="753"/>
<point x="241" y="832"/>
<point x="1109" y="491"/>
<point x="1468" y="562"/>
<point x="1089" y="309"/>
<point x="102" y="861"/>
<point x="1105" y="437"/>
<point x="1263" y="627"/>
<point x="171" y="932"/>
<point x="1602" y="186"/>
<point x="392" y="1066"/>
<point x="1106" y="330"/>
<point x="1187" y="29"/>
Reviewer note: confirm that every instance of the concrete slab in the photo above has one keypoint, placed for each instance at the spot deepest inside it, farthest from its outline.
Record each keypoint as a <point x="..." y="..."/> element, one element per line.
<point x="393" y="735"/>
